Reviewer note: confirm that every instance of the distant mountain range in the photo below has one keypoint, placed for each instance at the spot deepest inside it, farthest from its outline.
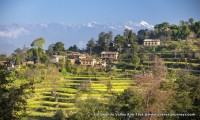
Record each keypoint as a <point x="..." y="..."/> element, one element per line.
<point x="13" y="36"/>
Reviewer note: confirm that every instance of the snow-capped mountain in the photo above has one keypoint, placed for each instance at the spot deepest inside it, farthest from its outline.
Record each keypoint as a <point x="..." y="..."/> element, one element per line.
<point x="18" y="35"/>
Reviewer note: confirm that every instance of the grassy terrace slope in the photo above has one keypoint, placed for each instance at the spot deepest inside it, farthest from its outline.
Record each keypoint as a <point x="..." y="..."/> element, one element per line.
<point x="50" y="95"/>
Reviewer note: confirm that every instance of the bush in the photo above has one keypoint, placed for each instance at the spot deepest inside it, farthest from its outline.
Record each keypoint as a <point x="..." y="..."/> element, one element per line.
<point x="59" y="115"/>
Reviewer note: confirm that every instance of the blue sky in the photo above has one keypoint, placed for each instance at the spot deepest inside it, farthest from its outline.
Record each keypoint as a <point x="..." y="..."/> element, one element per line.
<point x="103" y="11"/>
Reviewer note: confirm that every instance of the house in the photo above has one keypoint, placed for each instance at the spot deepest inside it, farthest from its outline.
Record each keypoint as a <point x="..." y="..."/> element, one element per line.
<point x="105" y="55"/>
<point x="56" y="58"/>
<point x="75" y="55"/>
<point x="151" y="42"/>
<point x="88" y="61"/>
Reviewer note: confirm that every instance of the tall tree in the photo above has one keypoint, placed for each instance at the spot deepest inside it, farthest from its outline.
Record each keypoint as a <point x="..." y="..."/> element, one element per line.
<point x="142" y="34"/>
<point x="39" y="42"/>
<point x="119" y="42"/>
<point x="135" y="59"/>
<point x="159" y="69"/>
<point x="38" y="47"/>
<point x="104" y="41"/>
<point x="90" y="45"/>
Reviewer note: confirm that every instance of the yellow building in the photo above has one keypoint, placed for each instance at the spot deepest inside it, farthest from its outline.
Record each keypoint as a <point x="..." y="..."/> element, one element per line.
<point x="105" y="55"/>
<point x="88" y="61"/>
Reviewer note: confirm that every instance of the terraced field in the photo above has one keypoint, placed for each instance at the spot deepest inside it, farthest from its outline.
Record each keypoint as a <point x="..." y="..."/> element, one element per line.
<point x="51" y="96"/>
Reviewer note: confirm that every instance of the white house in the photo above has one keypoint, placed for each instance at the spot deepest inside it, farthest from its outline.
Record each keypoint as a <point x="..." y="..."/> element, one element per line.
<point x="151" y="42"/>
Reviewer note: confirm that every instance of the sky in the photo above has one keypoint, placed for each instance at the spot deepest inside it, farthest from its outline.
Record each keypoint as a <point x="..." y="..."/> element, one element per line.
<point x="104" y="11"/>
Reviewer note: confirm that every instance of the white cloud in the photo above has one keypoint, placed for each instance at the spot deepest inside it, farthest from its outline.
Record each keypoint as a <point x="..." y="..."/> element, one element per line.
<point x="13" y="33"/>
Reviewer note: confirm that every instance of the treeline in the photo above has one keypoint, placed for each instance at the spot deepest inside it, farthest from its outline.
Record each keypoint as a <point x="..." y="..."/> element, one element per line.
<point x="166" y="32"/>
<point x="187" y="30"/>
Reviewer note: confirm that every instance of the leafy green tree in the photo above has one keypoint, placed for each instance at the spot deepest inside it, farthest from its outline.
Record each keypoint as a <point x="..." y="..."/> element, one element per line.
<point x="20" y="53"/>
<point x="59" y="46"/>
<point x="142" y="34"/>
<point x="91" y="109"/>
<point x="104" y="41"/>
<point x="131" y="37"/>
<point x="130" y="101"/>
<point x="163" y="31"/>
<point x="38" y="43"/>
<point x="185" y="98"/>
<point x="175" y="32"/>
<point x="13" y="98"/>
<point x="69" y="66"/>
<point x="90" y="45"/>
<point x="184" y="32"/>
<point x="191" y="21"/>
<point x="196" y="29"/>
<point x="135" y="59"/>
<point x="119" y="42"/>
<point x="17" y="61"/>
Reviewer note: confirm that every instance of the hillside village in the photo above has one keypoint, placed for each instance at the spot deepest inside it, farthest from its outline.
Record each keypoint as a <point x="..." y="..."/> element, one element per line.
<point x="153" y="71"/>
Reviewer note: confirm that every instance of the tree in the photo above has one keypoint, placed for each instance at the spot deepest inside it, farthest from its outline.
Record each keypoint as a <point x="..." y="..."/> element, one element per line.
<point x="135" y="59"/>
<point x="184" y="32"/>
<point x="38" y="42"/>
<point x="104" y="41"/>
<point x="191" y="21"/>
<point x="17" y="61"/>
<point x="38" y="48"/>
<point x="159" y="69"/>
<point x="59" y="115"/>
<point x="51" y="49"/>
<point x="119" y="42"/>
<point x="142" y="34"/>
<point x="109" y="86"/>
<point x="20" y="53"/>
<point x="90" y="45"/>
<point x="12" y="97"/>
<point x="73" y="48"/>
<point x="163" y="31"/>
<point x="91" y="109"/>
<point x="59" y="46"/>
<point x="131" y="37"/>
<point x="130" y="101"/>
<point x="186" y="97"/>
